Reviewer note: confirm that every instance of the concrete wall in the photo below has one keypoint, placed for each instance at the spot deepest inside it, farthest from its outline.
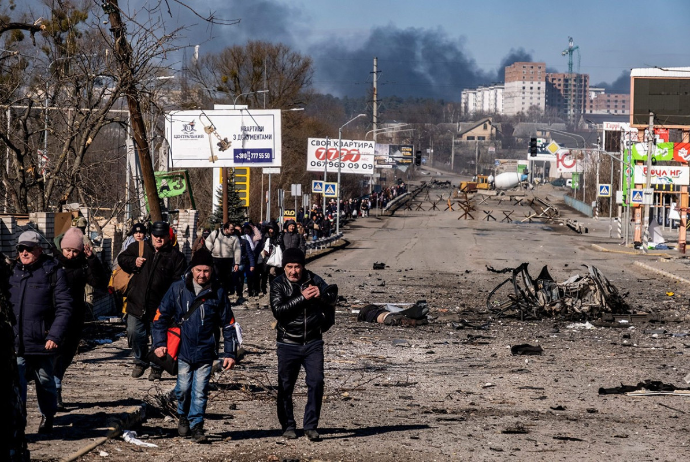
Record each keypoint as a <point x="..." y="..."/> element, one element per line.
<point x="579" y="206"/>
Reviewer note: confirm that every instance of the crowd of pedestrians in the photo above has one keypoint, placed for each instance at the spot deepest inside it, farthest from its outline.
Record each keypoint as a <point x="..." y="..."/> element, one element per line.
<point x="48" y="298"/>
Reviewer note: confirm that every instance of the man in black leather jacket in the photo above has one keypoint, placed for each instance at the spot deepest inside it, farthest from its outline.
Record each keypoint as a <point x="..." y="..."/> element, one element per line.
<point x="304" y="306"/>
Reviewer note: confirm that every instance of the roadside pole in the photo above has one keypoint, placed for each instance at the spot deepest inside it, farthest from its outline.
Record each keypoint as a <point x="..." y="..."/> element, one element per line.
<point x="648" y="183"/>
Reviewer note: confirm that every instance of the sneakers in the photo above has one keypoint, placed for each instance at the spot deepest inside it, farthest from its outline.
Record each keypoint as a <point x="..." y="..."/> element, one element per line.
<point x="155" y="374"/>
<point x="313" y="435"/>
<point x="46" y="425"/>
<point x="198" y="434"/>
<point x="290" y="434"/>
<point x="138" y="371"/>
<point x="60" y="404"/>
<point x="183" y="426"/>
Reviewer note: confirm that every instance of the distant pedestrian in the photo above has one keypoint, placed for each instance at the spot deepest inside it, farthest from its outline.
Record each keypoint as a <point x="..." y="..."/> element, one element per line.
<point x="42" y="306"/>
<point x="227" y="253"/>
<point x="200" y="305"/>
<point x="304" y="306"/>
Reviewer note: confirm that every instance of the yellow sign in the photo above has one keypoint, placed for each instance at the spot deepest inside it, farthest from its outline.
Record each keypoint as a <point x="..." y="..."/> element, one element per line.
<point x="241" y="177"/>
<point x="553" y="147"/>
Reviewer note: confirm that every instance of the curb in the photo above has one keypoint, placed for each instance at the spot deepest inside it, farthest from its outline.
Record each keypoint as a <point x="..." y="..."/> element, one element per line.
<point x="662" y="272"/>
<point x="313" y="256"/>
<point x="117" y="424"/>
<point x="630" y="252"/>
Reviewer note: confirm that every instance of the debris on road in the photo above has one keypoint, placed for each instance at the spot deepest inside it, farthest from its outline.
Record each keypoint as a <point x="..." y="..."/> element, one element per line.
<point x="578" y="297"/>
<point x="648" y="386"/>
<point x="526" y="349"/>
<point x="379" y="266"/>
<point x="131" y="437"/>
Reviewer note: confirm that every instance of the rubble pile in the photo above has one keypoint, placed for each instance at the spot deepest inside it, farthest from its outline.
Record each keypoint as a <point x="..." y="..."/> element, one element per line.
<point x="578" y="297"/>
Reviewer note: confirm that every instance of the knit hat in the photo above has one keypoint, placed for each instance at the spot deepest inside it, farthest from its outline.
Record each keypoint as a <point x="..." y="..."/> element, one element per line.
<point x="202" y="257"/>
<point x="73" y="239"/>
<point x="137" y="228"/>
<point x="160" y="229"/>
<point x="293" y="255"/>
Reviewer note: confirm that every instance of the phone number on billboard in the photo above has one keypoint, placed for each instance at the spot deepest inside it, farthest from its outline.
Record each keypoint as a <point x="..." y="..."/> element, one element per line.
<point x="350" y="165"/>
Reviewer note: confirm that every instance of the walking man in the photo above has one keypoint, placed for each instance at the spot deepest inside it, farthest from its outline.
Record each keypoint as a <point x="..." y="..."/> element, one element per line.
<point x="42" y="306"/>
<point x="152" y="274"/>
<point x="304" y="306"/>
<point x="227" y="252"/>
<point x="200" y="306"/>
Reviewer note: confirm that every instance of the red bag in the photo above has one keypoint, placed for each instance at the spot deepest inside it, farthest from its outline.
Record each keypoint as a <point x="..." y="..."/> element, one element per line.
<point x="174" y="342"/>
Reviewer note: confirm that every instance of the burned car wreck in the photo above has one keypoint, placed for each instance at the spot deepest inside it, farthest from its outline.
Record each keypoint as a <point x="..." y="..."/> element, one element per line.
<point x="578" y="297"/>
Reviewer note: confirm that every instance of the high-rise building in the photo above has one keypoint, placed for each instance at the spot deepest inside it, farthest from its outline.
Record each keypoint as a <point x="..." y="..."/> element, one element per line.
<point x="525" y="87"/>
<point x="485" y="99"/>
<point x="568" y="94"/>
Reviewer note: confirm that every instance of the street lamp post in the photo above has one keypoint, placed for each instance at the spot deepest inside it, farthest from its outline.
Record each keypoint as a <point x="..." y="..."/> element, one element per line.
<point x="234" y="101"/>
<point x="340" y="146"/>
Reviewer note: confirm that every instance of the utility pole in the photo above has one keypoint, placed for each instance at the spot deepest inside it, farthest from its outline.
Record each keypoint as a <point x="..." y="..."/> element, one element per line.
<point x="123" y="54"/>
<point x="375" y="113"/>
<point x="648" y="184"/>
<point x="476" y="159"/>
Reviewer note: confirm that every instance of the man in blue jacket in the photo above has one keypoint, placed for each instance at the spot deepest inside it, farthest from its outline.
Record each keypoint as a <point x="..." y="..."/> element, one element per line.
<point x="42" y="306"/>
<point x="200" y="294"/>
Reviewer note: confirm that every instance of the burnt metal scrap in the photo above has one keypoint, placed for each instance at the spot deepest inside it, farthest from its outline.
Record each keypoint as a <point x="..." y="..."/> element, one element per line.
<point x="578" y="297"/>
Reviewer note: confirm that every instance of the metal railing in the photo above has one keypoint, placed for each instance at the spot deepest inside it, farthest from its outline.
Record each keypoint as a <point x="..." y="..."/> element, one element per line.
<point x="323" y="243"/>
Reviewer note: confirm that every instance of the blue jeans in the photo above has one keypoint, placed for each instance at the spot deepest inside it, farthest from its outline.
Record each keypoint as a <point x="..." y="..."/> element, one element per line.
<point x="39" y="368"/>
<point x="138" y="332"/>
<point x="192" y="391"/>
<point x="291" y="358"/>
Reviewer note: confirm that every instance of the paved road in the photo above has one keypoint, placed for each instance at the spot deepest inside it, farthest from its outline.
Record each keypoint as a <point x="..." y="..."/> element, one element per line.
<point x="433" y="392"/>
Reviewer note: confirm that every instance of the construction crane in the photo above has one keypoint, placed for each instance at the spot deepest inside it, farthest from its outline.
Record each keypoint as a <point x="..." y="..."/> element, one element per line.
<point x="568" y="92"/>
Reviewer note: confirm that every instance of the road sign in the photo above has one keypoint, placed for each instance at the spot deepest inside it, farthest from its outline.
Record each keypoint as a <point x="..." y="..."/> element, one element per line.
<point x="619" y="197"/>
<point x="330" y="190"/>
<point x="317" y="187"/>
<point x="553" y="147"/>
<point x="636" y="197"/>
<point x="271" y="170"/>
<point x="296" y="189"/>
<point x="604" y="190"/>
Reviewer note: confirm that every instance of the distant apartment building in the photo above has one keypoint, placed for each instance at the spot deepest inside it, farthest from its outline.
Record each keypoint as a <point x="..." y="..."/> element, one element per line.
<point x="568" y="94"/>
<point x="601" y="102"/>
<point x="485" y="99"/>
<point x="525" y="86"/>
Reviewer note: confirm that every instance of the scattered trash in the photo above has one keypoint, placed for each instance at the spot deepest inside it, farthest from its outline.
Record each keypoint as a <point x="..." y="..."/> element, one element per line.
<point x="526" y="349"/>
<point x="566" y="438"/>
<point x="488" y="385"/>
<point x="580" y="325"/>
<point x="102" y="341"/>
<point x="379" y="266"/>
<point x="517" y="429"/>
<point x="577" y="297"/>
<point x="131" y="437"/>
<point x="558" y="408"/>
<point x="591" y="410"/>
<point x="670" y="294"/>
<point x="646" y="388"/>
<point x="103" y="454"/>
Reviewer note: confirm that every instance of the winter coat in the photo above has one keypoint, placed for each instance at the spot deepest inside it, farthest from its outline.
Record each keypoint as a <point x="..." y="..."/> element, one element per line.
<point x="42" y="305"/>
<point x="224" y="246"/>
<point x="150" y="282"/>
<point x="292" y="240"/>
<point x="80" y="271"/>
<point x="198" y="342"/>
<point x="300" y="321"/>
<point x="248" y="257"/>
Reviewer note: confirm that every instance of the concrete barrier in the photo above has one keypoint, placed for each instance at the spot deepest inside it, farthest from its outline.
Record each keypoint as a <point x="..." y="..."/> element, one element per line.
<point x="581" y="207"/>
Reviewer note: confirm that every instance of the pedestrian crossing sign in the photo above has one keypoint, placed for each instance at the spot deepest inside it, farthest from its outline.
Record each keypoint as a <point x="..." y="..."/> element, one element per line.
<point x="604" y="190"/>
<point x="330" y="190"/>
<point x="317" y="187"/>
<point x="636" y="197"/>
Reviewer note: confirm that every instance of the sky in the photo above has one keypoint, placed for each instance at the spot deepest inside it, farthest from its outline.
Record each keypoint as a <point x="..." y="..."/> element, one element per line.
<point x="435" y="48"/>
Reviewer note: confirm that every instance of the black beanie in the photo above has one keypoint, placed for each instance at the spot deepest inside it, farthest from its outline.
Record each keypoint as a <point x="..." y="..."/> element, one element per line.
<point x="293" y="255"/>
<point x="202" y="257"/>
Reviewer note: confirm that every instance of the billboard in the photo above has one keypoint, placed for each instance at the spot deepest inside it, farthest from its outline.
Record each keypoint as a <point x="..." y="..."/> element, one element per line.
<point x="663" y="175"/>
<point x="394" y="154"/>
<point x="665" y="92"/>
<point x="355" y="156"/>
<point x="224" y="138"/>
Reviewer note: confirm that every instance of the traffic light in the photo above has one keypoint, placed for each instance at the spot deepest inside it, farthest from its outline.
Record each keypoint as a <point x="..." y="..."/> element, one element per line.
<point x="533" y="147"/>
<point x="418" y="158"/>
